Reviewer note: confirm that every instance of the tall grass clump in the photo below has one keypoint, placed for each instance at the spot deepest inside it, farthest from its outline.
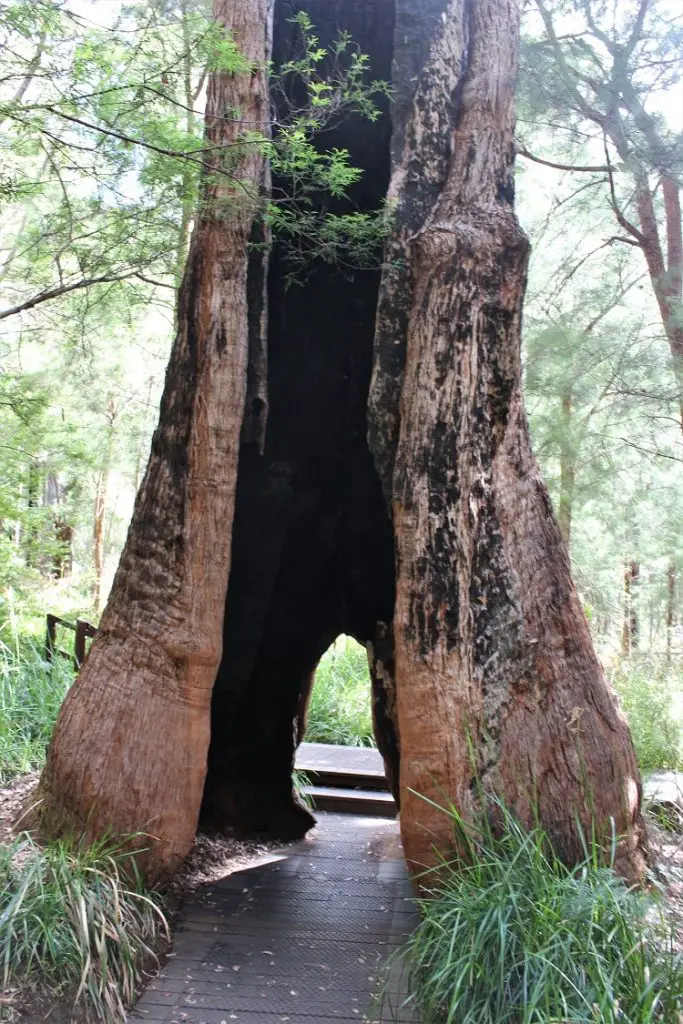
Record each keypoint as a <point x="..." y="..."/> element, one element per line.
<point x="508" y="933"/>
<point x="76" y="923"/>
<point x="651" y="694"/>
<point x="31" y="693"/>
<point x="339" y="711"/>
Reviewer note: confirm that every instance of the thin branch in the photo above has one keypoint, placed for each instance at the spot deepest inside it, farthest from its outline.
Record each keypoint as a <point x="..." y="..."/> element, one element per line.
<point x="622" y="220"/>
<point x="150" y="280"/>
<point x="587" y="169"/>
<point x="30" y="71"/>
<point x="649" y="451"/>
<point x="626" y="241"/>
<point x="55" y="293"/>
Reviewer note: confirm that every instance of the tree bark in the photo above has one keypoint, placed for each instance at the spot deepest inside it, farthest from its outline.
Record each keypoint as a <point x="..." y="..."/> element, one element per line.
<point x="128" y="756"/>
<point x="498" y="688"/>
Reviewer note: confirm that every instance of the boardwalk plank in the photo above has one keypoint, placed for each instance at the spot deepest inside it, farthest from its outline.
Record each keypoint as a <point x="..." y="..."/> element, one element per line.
<point x="304" y="937"/>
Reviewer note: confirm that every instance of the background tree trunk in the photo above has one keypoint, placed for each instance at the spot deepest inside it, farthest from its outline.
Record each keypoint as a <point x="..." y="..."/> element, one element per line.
<point x="498" y="688"/>
<point x="101" y="486"/>
<point x="671" y="575"/>
<point x="129" y="751"/>
<point x="631" y="628"/>
<point x="567" y="470"/>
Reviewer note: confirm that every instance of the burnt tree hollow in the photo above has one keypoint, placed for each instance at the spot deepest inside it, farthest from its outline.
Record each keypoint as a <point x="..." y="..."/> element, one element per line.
<point x="312" y="543"/>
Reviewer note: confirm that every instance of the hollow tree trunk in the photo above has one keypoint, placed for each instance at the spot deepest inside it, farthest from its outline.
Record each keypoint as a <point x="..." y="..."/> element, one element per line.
<point x="312" y="540"/>
<point x="498" y="688"/>
<point x="129" y="750"/>
<point x="488" y="677"/>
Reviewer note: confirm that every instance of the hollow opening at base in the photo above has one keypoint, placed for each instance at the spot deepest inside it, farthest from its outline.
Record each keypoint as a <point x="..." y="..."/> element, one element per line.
<point x="312" y="551"/>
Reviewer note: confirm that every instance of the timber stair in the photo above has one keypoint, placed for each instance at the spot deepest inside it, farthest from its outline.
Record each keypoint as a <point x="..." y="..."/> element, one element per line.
<point x="347" y="780"/>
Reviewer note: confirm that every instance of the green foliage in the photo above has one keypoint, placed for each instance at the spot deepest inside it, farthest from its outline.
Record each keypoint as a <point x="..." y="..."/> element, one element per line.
<point x="339" y="709"/>
<point x="648" y="689"/>
<point x="510" y="934"/>
<point x="350" y="240"/>
<point x="334" y="78"/>
<point x="333" y="81"/>
<point x="31" y="693"/>
<point x="103" y="154"/>
<point x="76" y="923"/>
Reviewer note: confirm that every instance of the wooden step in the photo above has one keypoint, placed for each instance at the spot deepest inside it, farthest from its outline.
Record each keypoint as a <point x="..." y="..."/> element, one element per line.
<point x="339" y="779"/>
<point x="345" y="767"/>
<point x="375" y="803"/>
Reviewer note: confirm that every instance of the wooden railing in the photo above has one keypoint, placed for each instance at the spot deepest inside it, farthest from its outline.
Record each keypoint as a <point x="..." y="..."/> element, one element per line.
<point x="84" y="631"/>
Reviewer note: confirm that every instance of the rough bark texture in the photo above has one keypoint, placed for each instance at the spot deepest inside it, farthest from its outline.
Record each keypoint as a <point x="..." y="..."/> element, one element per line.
<point x="130" y="747"/>
<point x="497" y="684"/>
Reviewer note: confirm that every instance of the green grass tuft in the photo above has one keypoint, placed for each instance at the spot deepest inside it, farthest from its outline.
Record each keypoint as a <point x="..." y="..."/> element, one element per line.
<point x="31" y="693"/>
<point x="76" y="923"/>
<point x="339" y="711"/>
<point x="510" y="934"/>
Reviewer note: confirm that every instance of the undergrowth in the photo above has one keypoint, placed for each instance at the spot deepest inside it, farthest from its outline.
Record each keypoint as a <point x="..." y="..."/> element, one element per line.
<point x="339" y="709"/>
<point x="508" y="933"/>
<point x="76" y="923"/>
<point x="651" y="694"/>
<point x="31" y="693"/>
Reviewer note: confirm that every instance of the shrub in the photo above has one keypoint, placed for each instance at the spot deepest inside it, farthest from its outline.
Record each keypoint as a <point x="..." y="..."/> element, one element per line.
<point x="510" y="934"/>
<point x="647" y="688"/>
<point x="76" y="922"/>
<point x="339" y="709"/>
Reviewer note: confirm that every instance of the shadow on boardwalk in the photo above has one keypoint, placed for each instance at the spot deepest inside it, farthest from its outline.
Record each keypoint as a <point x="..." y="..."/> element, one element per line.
<point x="301" y="937"/>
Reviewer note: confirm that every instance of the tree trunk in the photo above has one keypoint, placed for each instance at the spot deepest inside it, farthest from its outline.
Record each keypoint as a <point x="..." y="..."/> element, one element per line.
<point x="670" y="606"/>
<point x="128" y="754"/>
<point x="32" y="542"/>
<point x="631" y="629"/>
<point x="567" y="471"/>
<point x="484" y="677"/>
<point x="498" y="688"/>
<point x="101" y="487"/>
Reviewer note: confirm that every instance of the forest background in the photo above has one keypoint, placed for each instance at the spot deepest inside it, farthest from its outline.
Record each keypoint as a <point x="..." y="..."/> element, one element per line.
<point x="101" y="147"/>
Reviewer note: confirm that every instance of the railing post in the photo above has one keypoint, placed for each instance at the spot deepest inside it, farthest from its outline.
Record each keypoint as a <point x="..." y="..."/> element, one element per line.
<point x="50" y="637"/>
<point x="84" y="630"/>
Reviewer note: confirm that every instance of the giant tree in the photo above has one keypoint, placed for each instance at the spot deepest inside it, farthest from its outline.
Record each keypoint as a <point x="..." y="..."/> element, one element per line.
<point x="367" y="427"/>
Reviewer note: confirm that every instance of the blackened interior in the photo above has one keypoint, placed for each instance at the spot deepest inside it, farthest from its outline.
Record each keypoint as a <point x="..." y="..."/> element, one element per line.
<point x="312" y="553"/>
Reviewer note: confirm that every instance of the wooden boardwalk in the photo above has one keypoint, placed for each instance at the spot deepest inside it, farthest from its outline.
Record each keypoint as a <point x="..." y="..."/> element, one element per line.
<point x="351" y="761"/>
<point x="300" y="938"/>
